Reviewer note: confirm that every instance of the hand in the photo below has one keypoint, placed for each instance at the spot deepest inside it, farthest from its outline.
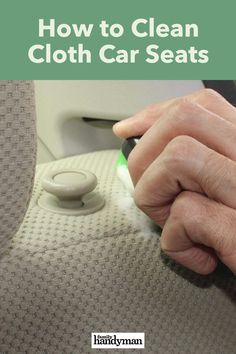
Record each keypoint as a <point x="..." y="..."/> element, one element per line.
<point x="184" y="172"/>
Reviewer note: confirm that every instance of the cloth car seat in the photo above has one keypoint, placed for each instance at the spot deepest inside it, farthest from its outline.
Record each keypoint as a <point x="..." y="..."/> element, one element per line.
<point x="63" y="277"/>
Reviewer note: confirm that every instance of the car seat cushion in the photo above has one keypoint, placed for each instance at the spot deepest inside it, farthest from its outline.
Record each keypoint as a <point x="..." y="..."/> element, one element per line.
<point x="65" y="276"/>
<point x="17" y="155"/>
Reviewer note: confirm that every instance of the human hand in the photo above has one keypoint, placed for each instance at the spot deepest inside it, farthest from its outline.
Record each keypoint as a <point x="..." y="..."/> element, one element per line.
<point x="184" y="173"/>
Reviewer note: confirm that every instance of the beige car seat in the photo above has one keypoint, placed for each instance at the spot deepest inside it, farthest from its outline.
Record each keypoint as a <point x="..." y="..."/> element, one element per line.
<point x="63" y="277"/>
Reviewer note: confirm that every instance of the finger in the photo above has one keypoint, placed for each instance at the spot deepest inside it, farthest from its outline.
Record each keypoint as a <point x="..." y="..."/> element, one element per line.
<point x="142" y="121"/>
<point x="214" y="102"/>
<point x="196" y="226"/>
<point x="189" y="119"/>
<point x="185" y="164"/>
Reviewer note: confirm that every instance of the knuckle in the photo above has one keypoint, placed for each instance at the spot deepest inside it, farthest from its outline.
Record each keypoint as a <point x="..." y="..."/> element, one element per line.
<point x="150" y="206"/>
<point x="188" y="210"/>
<point x="184" y="106"/>
<point x="184" y="112"/>
<point x="220" y="166"/>
<point x="180" y="207"/>
<point x="179" y="149"/>
<point x="149" y="111"/>
<point x="210" y="95"/>
<point x="138" y="199"/>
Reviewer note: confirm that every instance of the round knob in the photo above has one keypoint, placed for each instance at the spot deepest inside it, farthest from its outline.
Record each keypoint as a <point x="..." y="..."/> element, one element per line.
<point x="69" y="192"/>
<point x="69" y="185"/>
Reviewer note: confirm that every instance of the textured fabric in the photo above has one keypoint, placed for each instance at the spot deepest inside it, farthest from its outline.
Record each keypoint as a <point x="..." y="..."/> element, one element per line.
<point x="66" y="276"/>
<point x="17" y="155"/>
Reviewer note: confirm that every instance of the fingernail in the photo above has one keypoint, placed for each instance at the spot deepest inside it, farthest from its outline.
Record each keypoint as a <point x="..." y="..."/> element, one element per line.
<point x="123" y="122"/>
<point x="118" y="125"/>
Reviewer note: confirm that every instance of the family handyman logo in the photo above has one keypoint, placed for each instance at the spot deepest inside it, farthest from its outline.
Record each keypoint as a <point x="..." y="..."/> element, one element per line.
<point x="118" y="340"/>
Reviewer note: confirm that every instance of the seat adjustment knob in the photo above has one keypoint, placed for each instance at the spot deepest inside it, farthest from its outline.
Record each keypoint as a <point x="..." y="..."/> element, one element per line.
<point x="70" y="192"/>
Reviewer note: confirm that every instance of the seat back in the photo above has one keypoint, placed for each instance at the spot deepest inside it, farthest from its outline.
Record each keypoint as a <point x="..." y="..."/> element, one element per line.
<point x="17" y="155"/>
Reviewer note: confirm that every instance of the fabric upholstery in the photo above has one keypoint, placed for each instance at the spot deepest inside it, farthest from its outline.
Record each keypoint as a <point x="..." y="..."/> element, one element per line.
<point x="64" y="277"/>
<point x="17" y="155"/>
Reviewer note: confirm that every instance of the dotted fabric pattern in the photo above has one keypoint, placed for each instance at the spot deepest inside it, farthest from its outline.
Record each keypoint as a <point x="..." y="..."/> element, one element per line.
<point x="64" y="277"/>
<point x="17" y="155"/>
